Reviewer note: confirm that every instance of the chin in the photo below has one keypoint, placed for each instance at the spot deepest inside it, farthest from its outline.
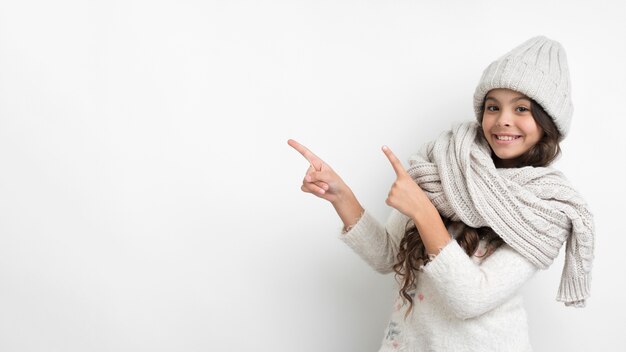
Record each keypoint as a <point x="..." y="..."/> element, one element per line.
<point x="505" y="156"/>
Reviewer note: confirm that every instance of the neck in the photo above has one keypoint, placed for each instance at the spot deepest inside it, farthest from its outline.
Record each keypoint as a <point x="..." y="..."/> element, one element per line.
<point x="503" y="163"/>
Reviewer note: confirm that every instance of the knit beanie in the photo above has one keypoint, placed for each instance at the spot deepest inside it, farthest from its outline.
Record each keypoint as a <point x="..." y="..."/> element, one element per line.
<point x="537" y="68"/>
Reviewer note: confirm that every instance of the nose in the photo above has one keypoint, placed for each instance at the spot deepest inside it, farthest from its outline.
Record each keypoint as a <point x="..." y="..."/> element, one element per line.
<point x="504" y="119"/>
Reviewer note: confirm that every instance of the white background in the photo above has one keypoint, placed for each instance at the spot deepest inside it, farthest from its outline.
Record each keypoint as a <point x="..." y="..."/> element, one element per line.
<point x="149" y="200"/>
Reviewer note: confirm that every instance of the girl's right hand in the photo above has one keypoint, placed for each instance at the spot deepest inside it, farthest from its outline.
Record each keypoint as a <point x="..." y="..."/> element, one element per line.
<point x="320" y="179"/>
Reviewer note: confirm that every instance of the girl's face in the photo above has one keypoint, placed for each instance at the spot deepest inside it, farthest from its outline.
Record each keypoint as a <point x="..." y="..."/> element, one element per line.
<point x="508" y="124"/>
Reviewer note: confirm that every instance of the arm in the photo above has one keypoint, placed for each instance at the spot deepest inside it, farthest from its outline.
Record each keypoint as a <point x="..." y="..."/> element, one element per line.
<point x="472" y="290"/>
<point x="379" y="246"/>
<point x="375" y="244"/>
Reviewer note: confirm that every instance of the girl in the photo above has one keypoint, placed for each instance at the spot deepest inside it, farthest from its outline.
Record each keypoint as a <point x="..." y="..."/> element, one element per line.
<point x="477" y="213"/>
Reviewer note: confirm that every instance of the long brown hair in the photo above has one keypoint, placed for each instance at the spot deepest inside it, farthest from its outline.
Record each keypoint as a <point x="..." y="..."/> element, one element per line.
<point x="412" y="253"/>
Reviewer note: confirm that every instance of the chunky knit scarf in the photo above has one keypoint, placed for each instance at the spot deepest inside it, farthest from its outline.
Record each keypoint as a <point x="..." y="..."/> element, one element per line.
<point x="533" y="209"/>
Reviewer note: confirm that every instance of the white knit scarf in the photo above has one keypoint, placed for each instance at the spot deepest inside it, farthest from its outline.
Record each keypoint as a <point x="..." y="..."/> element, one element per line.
<point x="533" y="209"/>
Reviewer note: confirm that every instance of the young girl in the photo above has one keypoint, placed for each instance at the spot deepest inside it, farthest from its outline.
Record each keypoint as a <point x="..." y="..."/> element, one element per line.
<point x="477" y="213"/>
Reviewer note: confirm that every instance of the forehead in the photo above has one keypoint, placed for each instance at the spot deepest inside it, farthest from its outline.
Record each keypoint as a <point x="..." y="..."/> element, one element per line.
<point x="503" y="94"/>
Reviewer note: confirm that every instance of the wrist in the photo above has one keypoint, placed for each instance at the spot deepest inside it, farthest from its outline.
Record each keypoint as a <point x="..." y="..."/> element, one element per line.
<point x="432" y="230"/>
<point x="425" y="213"/>
<point x="342" y="197"/>
<point x="349" y="209"/>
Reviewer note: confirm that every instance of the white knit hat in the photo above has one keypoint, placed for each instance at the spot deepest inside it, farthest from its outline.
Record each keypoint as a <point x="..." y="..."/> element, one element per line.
<point x="537" y="68"/>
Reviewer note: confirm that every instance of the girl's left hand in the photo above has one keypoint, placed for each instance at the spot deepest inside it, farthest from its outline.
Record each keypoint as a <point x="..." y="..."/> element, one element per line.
<point x="405" y="195"/>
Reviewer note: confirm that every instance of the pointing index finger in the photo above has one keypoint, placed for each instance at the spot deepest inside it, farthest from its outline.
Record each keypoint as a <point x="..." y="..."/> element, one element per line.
<point x="307" y="154"/>
<point x="395" y="162"/>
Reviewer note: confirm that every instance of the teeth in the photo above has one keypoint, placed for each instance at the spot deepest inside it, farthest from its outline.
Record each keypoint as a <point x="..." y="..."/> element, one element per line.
<point x="506" y="138"/>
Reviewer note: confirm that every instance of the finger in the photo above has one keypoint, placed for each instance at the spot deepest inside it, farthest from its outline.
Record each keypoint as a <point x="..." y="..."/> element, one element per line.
<point x="312" y="178"/>
<point x="395" y="162"/>
<point x="312" y="188"/>
<point x="306" y="153"/>
<point x="322" y="185"/>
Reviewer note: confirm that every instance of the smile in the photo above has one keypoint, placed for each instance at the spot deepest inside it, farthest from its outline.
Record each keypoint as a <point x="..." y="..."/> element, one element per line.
<point x="505" y="139"/>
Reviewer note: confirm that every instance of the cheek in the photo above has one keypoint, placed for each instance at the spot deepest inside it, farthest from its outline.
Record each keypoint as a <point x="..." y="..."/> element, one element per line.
<point x="530" y="129"/>
<point x="487" y="125"/>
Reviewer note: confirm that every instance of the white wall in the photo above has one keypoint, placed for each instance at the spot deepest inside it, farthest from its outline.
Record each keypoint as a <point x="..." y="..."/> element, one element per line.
<point x="149" y="200"/>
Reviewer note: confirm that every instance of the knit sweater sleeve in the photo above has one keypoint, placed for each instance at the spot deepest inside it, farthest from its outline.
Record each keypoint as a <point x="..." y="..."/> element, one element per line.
<point x="376" y="244"/>
<point x="472" y="289"/>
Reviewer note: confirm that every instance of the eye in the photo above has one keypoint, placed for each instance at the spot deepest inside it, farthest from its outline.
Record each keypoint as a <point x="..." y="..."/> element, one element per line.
<point x="524" y="109"/>
<point x="491" y="106"/>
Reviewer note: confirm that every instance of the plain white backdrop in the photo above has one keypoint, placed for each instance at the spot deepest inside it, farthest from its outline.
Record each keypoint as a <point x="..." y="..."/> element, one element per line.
<point x="149" y="200"/>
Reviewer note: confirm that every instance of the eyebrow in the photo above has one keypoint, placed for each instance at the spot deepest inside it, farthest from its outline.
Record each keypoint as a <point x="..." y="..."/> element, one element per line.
<point x="512" y="100"/>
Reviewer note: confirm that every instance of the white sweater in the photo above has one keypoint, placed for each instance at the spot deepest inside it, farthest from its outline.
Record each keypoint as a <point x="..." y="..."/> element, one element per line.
<point x="460" y="303"/>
